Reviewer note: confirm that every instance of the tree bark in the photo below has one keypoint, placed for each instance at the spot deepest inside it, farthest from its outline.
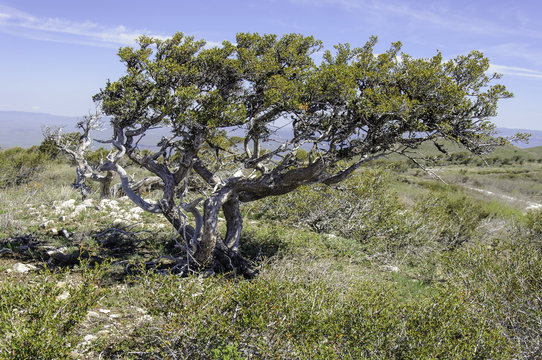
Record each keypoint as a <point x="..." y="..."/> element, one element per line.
<point x="105" y="185"/>
<point x="211" y="210"/>
<point x="234" y="223"/>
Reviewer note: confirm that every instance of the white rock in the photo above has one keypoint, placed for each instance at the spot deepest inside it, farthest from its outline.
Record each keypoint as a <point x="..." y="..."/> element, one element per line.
<point x="23" y="268"/>
<point x="136" y="210"/>
<point x="89" y="338"/>
<point x="88" y="202"/>
<point x="45" y="224"/>
<point x="59" y="254"/>
<point x="109" y="203"/>
<point x="63" y="296"/>
<point x="391" y="268"/>
<point x="119" y="222"/>
<point x="68" y="204"/>
<point x="78" y="209"/>
<point x="104" y="311"/>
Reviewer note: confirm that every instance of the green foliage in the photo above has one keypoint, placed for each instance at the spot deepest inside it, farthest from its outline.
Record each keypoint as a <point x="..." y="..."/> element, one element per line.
<point x="503" y="280"/>
<point x="533" y="225"/>
<point x="249" y="84"/>
<point x="299" y="317"/>
<point x="19" y="166"/>
<point x="362" y="207"/>
<point x="451" y="219"/>
<point x="38" y="317"/>
<point x="97" y="156"/>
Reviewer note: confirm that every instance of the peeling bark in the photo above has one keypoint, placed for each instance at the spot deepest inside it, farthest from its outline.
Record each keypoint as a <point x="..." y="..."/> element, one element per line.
<point x="211" y="210"/>
<point x="234" y="223"/>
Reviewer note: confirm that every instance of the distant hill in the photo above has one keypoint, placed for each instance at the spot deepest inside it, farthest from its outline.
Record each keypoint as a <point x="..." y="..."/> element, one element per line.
<point x="24" y="129"/>
<point x="534" y="141"/>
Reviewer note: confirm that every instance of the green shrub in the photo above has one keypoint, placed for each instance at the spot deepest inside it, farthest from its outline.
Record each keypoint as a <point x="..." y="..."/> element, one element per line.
<point x="308" y="318"/>
<point x="38" y="317"/>
<point x="533" y="225"/>
<point x="19" y="166"/>
<point x="97" y="156"/>
<point x="449" y="219"/>
<point x="503" y="280"/>
<point x="362" y="207"/>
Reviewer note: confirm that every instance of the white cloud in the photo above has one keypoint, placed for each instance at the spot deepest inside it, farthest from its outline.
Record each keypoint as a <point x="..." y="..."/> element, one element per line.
<point x="515" y="71"/>
<point x="25" y="25"/>
<point x="434" y="13"/>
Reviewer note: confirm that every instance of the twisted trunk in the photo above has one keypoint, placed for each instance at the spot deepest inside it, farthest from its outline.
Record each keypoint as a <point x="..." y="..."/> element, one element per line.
<point x="105" y="185"/>
<point x="234" y="223"/>
<point x="211" y="210"/>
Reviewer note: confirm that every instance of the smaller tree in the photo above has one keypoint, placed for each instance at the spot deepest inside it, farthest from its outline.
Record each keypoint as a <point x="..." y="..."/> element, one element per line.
<point x="77" y="145"/>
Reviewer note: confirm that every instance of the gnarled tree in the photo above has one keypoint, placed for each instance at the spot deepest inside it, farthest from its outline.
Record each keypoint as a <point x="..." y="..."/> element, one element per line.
<point x="76" y="145"/>
<point x="351" y="108"/>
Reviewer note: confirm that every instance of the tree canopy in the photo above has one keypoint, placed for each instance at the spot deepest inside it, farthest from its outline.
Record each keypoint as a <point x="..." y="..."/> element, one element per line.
<point x="270" y="93"/>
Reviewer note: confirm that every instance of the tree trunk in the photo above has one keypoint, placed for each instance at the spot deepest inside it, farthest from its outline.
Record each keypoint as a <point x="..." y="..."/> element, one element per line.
<point x="105" y="185"/>
<point x="234" y="223"/>
<point x="214" y="253"/>
<point x="211" y="209"/>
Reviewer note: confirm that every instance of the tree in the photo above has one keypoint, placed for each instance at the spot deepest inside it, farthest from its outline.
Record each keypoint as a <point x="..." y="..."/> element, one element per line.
<point x="299" y="122"/>
<point x="76" y="145"/>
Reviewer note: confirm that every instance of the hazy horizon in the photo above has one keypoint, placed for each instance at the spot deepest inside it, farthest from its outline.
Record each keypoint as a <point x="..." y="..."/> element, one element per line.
<point x="25" y="129"/>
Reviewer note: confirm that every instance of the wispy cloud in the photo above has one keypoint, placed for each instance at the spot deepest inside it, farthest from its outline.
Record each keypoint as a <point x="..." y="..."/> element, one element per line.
<point x="518" y="50"/>
<point x="22" y="24"/>
<point x="427" y="13"/>
<point x="515" y="71"/>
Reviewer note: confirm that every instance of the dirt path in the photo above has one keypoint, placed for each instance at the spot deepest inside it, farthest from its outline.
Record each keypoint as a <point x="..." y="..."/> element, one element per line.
<point x="529" y="205"/>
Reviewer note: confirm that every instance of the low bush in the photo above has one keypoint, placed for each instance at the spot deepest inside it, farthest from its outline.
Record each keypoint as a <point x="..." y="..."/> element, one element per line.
<point x="503" y="280"/>
<point x="19" y="166"/>
<point x="446" y="218"/>
<point x="38" y="316"/>
<point x="366" y="209"/>
<point x="306" y="318"/>
<point x="362" y="207"/>
<point x="533" y="226"/>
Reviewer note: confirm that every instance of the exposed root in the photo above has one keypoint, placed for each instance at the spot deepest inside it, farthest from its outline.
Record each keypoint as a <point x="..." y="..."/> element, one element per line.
<point x="222" y="262"/>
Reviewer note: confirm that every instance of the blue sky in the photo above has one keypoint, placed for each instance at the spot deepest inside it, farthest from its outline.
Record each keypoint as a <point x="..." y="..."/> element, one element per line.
<point x="56" y="54"/>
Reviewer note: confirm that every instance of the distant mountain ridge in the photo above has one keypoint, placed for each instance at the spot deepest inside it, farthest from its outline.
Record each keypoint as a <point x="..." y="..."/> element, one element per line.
<point x="24" y="129"/>
<point x="534" y="141"/>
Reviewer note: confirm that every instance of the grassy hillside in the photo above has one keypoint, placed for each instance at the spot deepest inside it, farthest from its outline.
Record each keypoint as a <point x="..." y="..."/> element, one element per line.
<point x="391" y="264"/>
<point x="452" y="153"/>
